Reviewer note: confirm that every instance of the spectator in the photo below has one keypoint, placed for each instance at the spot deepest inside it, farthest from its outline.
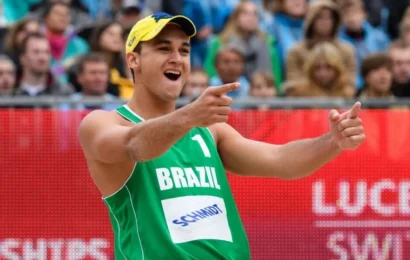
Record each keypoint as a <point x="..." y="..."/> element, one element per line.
<point x="287" y="25"/>
<point x="107" y="39"/>
<point x="7" y="76"/>
<point x="400" y="55"/>
<point x="129" y="14"/>
<point x="242" y="30"/>
<point x="325" y="75"/>
<point x="197" y="82"/>
<point x="321" y="25"/>
<point x="65" y="44"/>
<point x="377" y="74"/>
<point x="361" y="34"/>
<point x="230" y="65"/>
<point x="404" y="32"/>
<point x="77" y="12"/>
<point x="199" y="12"/>
<point x="396" y="11"/>
<point x="16" y="36"/>
<point x="93" y="78"/>
<point x="263" y="87"/>
<point x="36" y="77"/>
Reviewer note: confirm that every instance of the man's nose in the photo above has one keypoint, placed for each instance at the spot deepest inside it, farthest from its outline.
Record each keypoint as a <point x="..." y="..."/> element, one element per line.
<point x="175" y="57"/>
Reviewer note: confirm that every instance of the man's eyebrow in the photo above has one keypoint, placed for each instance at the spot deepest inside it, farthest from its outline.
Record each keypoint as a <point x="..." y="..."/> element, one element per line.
<point x="161" y="41"/>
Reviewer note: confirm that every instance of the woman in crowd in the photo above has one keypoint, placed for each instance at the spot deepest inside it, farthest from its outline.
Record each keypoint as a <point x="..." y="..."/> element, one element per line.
<point x="325" y="75"/>
<point x="243" y="29"/>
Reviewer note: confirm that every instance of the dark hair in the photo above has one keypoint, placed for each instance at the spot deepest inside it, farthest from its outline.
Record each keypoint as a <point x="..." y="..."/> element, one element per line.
<point x="35" y="35"/>
<point x="375" y="61"/>
<point x="49" y="7"/>
<point x="97" y="32"/>
<point x="89" y="57"/>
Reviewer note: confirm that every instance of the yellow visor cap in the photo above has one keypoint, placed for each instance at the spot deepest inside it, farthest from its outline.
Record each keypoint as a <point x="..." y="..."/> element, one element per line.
<point x="146" y="29"/>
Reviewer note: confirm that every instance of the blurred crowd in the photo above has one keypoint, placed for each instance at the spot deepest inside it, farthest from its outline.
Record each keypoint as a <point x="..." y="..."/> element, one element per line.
<point x="274" y="48"/>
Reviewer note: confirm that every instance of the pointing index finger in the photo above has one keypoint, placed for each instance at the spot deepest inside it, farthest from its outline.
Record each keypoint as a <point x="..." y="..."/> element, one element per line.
<point x="354" y="111"/>
<point x="220" y="90"/>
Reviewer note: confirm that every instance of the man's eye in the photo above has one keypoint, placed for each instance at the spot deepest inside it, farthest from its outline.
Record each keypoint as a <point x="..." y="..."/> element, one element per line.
<point x="164" y="48"/>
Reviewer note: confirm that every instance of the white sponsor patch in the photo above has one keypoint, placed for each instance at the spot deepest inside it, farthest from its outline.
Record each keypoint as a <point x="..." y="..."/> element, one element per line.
<point x="196" y="217"/>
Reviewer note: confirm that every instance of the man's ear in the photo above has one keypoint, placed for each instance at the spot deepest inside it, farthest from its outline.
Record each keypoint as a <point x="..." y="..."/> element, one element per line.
<point x="133" y="60"/>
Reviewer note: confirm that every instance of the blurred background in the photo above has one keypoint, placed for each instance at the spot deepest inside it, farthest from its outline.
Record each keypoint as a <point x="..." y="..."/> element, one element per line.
<point x="295" y="59"/>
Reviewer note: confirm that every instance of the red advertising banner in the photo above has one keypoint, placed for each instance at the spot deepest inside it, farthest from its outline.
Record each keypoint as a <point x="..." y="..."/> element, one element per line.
<point x="356" y="207"/>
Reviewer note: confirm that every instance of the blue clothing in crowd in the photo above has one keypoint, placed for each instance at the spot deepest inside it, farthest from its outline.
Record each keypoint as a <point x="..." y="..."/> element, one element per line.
<point x="373" y="40"/>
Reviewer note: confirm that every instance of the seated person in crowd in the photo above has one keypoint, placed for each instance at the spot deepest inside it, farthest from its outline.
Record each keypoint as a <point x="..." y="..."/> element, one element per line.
<point x="324" y="75"/>
<point x="197" y="82"/>
<point x="93" y="76"/>
<point x="321" y="25"/>
<point x="262" y="87"/>
<point x="15" y="37"/>
<point x="7" y="76"/>
<point x="107" y="39"/>
<point x="36" y="77"/>
<point x="400" y="55"/>
<point x="357" y="31"/>
<point x="286" y="25"/>
<point x="242" y="29"/>
<point x="230" y="65"/>
<point x="65" y="45"/>
<point x="377" y="73"/>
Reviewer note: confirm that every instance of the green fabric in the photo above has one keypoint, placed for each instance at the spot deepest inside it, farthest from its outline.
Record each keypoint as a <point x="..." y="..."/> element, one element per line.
<point x="178" y="205"/>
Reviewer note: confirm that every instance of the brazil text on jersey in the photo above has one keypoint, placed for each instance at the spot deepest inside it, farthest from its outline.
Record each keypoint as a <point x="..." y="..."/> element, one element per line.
<point x="176" y="177"/>
<point x="197" y="215"/>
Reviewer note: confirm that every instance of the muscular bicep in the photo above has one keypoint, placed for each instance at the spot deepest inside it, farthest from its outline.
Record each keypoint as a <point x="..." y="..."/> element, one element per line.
<point x="244" y="156"/>
<point x="103" y="139"/>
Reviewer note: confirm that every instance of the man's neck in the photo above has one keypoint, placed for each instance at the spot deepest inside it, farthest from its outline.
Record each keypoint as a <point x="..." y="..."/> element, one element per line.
<point x="34" y="79"/>
<point x="145" y="105"/>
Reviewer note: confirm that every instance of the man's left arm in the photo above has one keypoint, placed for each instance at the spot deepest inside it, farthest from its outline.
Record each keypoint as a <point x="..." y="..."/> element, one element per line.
<point x="292" y="160"/>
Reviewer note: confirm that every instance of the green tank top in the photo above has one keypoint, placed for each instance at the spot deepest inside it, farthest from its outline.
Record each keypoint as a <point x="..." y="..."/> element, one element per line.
<point x="177" y="206"/>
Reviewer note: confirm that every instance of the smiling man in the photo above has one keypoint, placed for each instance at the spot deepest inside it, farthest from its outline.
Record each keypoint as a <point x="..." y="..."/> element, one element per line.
<point x="161" y="171"/>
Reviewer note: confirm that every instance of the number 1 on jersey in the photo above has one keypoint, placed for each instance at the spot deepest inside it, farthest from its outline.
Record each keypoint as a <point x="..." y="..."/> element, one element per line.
<point x="202" y="144"/>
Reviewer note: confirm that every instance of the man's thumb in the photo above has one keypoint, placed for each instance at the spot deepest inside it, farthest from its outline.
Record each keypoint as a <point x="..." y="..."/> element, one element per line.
<point x="334" y="115"/>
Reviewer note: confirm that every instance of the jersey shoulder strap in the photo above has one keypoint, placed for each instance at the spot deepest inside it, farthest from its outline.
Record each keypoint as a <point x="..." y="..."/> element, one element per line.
<point x="128" y="114"/>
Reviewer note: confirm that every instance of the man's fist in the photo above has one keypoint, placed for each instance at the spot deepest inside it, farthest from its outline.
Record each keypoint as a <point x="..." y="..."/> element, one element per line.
<point x="347" y="128"/>
<point x="212" y="106"/>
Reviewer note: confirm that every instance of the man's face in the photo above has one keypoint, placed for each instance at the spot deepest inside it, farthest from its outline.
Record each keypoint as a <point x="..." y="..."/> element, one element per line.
<point x="7" y="77"/>
<point x="353" y="17"/>
<point x="379" y="80"/>
<point x="37" y="56"/>
<point x="164" y="63"/>
<point x="94" y="78"/>
<point x="401" y="64"/>
<point x="230" y="66"/>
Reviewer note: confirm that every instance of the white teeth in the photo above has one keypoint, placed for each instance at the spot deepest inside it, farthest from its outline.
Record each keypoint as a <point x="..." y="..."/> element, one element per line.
<point x="173" y="72"/>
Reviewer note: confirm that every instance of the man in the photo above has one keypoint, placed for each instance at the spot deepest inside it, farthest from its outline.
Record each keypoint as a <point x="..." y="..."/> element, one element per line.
<point x="36" y="78"/>
<point x="93" y="78"/>
<point x="161" y="171"/>
<point x="400" y="54"/>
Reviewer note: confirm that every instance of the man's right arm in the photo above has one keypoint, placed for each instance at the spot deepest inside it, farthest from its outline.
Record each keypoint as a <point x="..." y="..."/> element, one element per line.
<point x="103" y="139"/>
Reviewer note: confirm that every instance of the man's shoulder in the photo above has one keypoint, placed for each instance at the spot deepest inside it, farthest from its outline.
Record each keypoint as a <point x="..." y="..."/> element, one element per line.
<point x="99" y="118"/>
<point x="222" y="131"/>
